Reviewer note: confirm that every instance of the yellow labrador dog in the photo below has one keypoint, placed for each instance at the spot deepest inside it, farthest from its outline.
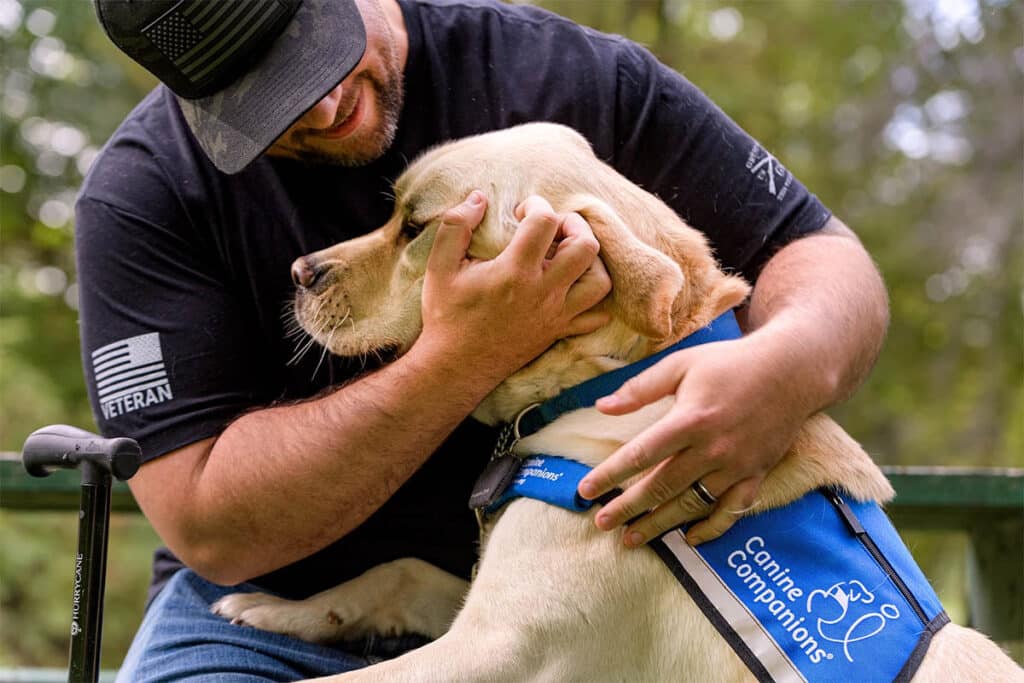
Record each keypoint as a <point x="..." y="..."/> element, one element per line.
<point x="554" y="598"/>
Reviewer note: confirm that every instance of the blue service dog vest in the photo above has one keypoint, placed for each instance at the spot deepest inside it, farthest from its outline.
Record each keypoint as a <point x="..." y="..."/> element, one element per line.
<point x="822" y="589"/>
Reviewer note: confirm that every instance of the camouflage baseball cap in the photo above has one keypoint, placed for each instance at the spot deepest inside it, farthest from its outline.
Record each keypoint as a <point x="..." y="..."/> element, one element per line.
<point x="243" y="70"/>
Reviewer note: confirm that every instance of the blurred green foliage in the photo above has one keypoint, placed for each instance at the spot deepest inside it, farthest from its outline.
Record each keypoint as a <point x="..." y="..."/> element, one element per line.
<point x="903" y="116"/>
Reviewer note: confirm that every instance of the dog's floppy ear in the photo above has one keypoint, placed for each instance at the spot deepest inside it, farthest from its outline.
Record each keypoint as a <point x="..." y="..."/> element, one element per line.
<point x="645" y="282"/>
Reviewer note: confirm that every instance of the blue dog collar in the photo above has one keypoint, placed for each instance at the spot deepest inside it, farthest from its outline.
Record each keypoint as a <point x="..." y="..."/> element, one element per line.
<point x="505" y="468"/>
<point x="549" y="478"/>
<point x="585" y="395"/>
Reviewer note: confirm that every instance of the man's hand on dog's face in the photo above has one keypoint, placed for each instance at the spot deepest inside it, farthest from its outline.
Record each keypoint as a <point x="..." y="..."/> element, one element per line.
<point x="500" y="314"/>
<point x="732" y="420"/>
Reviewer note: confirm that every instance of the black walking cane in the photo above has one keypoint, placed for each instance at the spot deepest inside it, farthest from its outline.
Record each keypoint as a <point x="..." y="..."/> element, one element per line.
<point x="62" y="447"/>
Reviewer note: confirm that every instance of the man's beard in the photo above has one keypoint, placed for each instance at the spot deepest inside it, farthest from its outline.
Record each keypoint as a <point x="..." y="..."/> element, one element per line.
<point x="373" y="143"/>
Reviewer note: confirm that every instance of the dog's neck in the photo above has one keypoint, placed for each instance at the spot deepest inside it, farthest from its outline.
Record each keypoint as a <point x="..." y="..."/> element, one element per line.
<point x="573" y="361"/>
<point x="567" y="363"/>
<point x="589" y="436"/>
<point x="828" y="455"/>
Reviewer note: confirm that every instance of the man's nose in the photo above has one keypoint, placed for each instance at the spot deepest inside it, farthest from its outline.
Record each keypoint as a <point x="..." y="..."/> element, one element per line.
<point x="324" y="112"/>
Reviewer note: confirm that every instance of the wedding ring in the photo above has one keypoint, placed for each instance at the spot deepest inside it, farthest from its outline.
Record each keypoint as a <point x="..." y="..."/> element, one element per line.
<point x="702" y="492"/>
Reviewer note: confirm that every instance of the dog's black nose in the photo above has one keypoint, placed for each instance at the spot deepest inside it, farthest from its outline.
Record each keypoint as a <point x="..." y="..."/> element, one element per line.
<point x="305" y="272"/>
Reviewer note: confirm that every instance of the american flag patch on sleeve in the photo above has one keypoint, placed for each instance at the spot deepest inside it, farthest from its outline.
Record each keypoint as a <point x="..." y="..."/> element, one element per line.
<point x="130" y="374"/>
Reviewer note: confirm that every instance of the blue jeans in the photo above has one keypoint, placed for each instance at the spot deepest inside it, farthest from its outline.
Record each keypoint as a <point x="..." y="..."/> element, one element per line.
<point x="181" y="640"/>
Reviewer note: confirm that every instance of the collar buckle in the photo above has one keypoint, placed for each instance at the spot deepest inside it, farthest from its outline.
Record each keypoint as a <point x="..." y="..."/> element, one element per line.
<point x="510" y="434"/>
<point x="519" y="419"/>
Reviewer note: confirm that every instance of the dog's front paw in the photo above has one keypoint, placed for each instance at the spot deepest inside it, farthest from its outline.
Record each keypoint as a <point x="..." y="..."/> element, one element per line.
<point x="297" y="618"/>
<point x="235" y="606"/>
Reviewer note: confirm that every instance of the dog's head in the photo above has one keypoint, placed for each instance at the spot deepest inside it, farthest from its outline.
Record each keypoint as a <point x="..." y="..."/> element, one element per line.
<point x="363" y="296"/>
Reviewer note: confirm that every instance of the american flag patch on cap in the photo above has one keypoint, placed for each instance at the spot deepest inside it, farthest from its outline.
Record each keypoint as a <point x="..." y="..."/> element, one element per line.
<point x="198" y="36"/>
<point x="130" y="374"/>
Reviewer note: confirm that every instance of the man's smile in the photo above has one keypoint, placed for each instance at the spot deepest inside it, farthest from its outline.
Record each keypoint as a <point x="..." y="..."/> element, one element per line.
<point x="347" y="124"/>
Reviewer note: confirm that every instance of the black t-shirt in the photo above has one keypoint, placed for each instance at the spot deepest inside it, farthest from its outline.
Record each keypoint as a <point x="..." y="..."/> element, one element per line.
<point x="184" y="271"/>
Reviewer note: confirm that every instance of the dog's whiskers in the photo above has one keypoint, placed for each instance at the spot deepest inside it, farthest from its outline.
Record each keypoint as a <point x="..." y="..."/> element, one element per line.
<point x="300" y="352"/>
<point x="290" y="324"/>
<point x="300" y="345"/>
<point x="307" y="340"/>
<point x="323" y="353"/>
<point x="304" y="350"/>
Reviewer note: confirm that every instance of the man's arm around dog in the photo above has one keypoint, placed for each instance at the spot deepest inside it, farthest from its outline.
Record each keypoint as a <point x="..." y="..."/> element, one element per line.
<point x="814" y="327"/>
<point x="283" y="482"/>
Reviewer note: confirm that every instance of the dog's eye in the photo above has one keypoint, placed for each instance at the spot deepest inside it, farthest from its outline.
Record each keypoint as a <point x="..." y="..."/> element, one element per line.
<point x="411" y="231"/>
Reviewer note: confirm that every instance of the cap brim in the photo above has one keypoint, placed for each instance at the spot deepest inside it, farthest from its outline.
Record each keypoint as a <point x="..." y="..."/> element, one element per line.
<point x="317" y="50"/>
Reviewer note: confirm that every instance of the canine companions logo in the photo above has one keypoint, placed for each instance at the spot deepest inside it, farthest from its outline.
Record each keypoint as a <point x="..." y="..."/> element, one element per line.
<point x="838" y="620"/>
<point x="819" y="590"/>
<point x="130" y="374"/>
<point x="841" y="599"/>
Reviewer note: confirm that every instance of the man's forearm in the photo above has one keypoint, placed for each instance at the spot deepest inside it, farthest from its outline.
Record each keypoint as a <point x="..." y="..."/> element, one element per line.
<point x="283" y="482"/>
<point x="821" y="304"/>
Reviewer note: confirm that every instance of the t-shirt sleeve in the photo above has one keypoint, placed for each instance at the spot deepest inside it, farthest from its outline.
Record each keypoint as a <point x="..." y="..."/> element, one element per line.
<point x="674" y="141"/>
<point x="163" y="339"/>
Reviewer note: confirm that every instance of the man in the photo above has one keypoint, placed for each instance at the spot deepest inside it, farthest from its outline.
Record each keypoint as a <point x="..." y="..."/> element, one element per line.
<point x="288" y="121"/>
